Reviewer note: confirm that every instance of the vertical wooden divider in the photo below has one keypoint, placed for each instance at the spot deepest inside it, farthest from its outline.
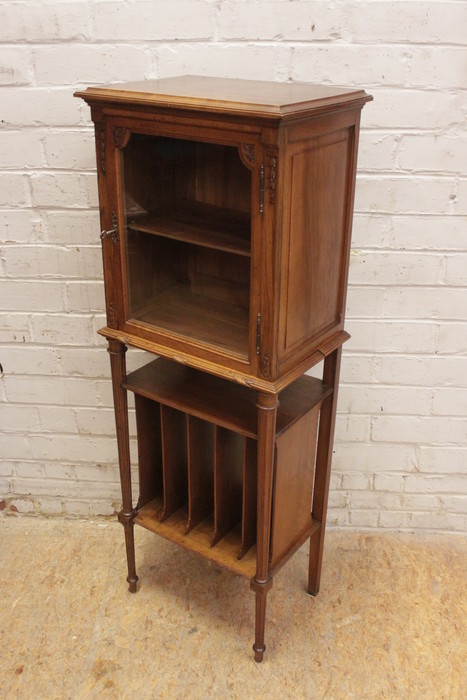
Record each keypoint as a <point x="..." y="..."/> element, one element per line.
<point x="174" y="460"/>
<point x="249" y="496"/>
<point x="148" y="426"/>
<point x="228" y="463"/>
<point x="200" y="439"/>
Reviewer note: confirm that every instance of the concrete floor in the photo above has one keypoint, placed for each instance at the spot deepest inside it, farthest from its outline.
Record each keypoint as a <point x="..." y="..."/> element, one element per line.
<point x="390" y="621"/>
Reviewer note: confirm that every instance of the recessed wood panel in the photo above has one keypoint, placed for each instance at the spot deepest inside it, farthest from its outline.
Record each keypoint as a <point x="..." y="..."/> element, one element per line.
<point x="314" y="242"/>
<point x="293" y="485"/>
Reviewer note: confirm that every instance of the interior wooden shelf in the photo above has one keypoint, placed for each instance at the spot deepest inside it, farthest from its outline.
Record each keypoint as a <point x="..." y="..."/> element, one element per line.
<point x="199" y="539"/>
<point x="218" y="323"/>
<point x="201" y="224"/>
<point x="219" y="401"/>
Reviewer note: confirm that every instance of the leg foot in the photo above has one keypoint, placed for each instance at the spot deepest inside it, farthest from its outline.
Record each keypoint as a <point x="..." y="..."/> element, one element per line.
<point x="132" y="584"/>
<point x="259" y="653"/>
<point x="126" y="520"/>
<point x="314" y="563"/>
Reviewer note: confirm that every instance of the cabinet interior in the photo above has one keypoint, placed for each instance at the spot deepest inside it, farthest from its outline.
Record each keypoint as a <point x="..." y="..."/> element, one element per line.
<point x="188" y="239"/>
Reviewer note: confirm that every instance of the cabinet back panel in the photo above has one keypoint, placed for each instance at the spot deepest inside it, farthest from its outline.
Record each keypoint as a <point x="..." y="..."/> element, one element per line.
<point x="160" y="172"/>
<point x="153" y="172"/>
<point x="221" y="276"/>
<point x="153" y="267"/>
<point x="220" y="178"/>
<point x="189" y="290"/>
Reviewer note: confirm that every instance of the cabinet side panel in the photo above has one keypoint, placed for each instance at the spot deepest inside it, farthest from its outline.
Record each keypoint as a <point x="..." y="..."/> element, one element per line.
<point x="293" y="484"/>
<point x="315" y="238"/>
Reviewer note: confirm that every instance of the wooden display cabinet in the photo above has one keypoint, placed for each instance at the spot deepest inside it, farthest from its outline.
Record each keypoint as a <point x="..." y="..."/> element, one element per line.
<point x="226" y="209"/>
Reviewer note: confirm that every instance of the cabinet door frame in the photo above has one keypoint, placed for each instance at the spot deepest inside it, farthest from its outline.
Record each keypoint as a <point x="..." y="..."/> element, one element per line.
<point x="118" y="129"/>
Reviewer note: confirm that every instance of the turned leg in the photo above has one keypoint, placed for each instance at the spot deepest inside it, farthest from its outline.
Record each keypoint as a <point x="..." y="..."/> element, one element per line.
<point x="261" y="590"/>
<point x="117" y="352"/>
<point x="323" y="468"/>
<point x="267" y="409"/>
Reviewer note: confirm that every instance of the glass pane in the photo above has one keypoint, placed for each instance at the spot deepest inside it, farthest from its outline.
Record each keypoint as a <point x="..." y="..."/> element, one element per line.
<point x="188" y="239"/>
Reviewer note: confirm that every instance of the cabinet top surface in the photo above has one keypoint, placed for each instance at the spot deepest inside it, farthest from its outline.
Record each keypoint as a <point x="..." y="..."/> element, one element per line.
<point x="269" y="99"/>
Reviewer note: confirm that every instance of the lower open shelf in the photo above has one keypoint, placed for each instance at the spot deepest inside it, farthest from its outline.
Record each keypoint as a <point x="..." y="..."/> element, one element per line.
<point x="199" y="538"/>
<point x="198" y="464"/>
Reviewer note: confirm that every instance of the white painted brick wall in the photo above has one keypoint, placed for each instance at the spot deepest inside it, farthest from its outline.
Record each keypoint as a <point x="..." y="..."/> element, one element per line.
<point x="401" y="437"/>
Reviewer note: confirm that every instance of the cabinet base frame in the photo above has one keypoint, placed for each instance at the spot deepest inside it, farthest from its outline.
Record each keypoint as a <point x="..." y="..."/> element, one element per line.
<point x="256" y="563"/>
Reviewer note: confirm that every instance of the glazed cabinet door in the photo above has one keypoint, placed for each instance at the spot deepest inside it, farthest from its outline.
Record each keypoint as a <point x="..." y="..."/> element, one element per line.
<point x="187" y="207"/>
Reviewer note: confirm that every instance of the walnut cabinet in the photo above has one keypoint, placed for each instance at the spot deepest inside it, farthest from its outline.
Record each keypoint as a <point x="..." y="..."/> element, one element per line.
<point x="226" y="210"/>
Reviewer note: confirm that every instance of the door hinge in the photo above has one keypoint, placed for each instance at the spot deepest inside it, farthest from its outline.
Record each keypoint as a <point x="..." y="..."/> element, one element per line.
<point x="113" y="232"/>
<point x="261" y="189"/>
<point x="258" y="334"/>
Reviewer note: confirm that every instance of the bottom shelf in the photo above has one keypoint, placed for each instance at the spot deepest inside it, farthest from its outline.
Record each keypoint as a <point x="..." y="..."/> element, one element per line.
<point x="199" y="538"/>
<point x="222" y="323"/>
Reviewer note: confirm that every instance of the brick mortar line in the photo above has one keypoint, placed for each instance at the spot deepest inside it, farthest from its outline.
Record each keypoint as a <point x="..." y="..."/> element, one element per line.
<point x="395" y="173"/>
<point x="370" y="385"/>
<point x="145" y="42"/>
<point x="338" y="490"/>
<point x="422" y="531"/>
<point x="357" y="213"/>
<point x="361" y="174"/>
<point x="450" y="90"/>
<point x="386" y="131"/>
<point x="457" y="418"/>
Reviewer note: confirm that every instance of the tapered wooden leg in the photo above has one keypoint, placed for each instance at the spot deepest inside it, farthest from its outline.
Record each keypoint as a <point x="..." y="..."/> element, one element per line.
<point x="267" y="405"/>
<point x="261" y="590"/>
<point x="117" y="352"/>
<point x="323" y="469"/>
